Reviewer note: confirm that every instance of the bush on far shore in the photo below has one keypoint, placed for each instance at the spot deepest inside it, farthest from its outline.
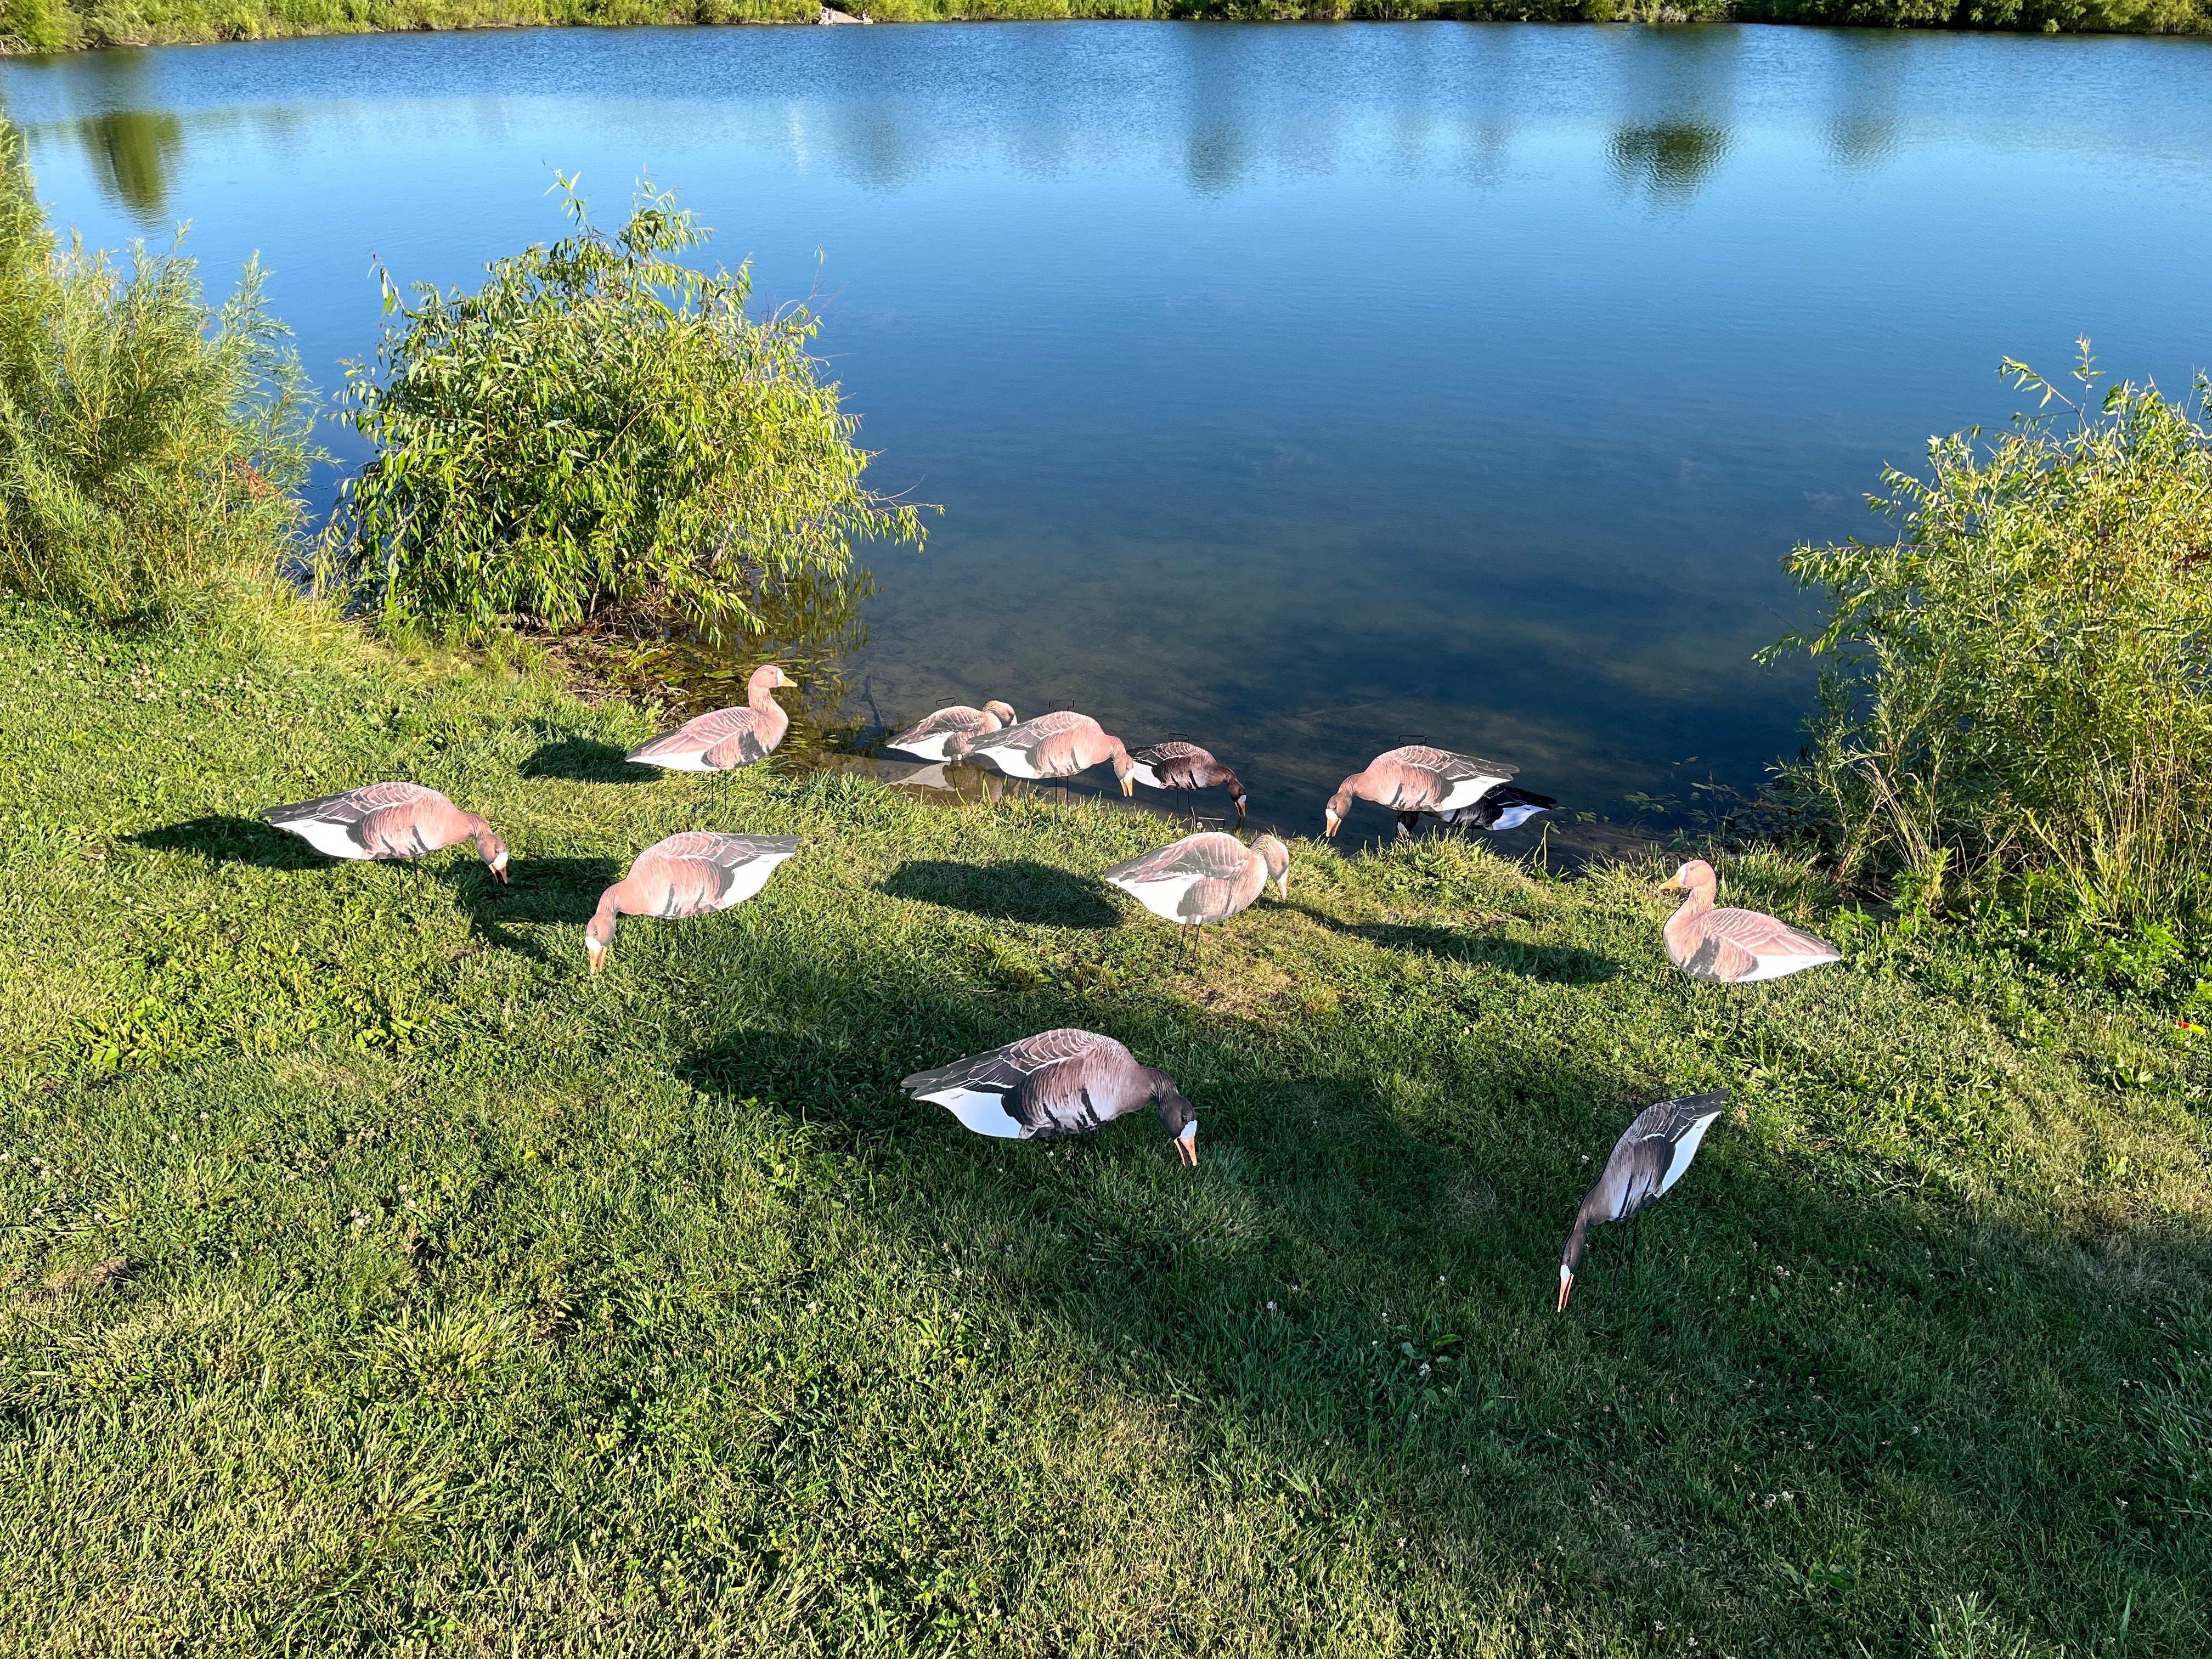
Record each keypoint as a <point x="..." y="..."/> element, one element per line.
<point x="147" y="441"/>
<point x="2022" y="704"/>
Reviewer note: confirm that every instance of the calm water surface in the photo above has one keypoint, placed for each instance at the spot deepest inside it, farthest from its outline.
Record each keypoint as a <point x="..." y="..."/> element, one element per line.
<point x="1302" y="389"/>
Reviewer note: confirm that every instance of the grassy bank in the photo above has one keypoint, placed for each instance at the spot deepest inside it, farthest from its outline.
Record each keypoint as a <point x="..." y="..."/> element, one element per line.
<point x="373" y="1278"/>
<point x="66" y="25"/>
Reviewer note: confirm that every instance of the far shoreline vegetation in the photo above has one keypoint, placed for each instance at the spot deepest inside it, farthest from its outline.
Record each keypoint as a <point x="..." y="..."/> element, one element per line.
<point x="375" y="1277"/>
<point x="42" y="26"/>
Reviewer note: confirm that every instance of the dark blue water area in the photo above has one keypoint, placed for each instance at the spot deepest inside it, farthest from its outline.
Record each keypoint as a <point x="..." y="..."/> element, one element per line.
<point x="1301" y="389"/>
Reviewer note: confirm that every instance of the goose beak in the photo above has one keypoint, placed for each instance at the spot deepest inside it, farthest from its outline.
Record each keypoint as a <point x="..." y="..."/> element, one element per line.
<point x="1283" y="886"/>
<point x="1240" y="809"/>
<point x="1332" y="820"/>
<point x="499" y="869"/>
<point x="1128" y="785"/>
<point x="1566" y="1288"/>
<point x="597" y="954"/>
<point x="1187" y="1151"/>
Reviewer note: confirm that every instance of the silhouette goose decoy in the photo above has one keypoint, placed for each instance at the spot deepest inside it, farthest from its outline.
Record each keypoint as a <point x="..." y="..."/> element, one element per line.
<point x="687" y="875"/>
<point x="1646" y="1162"/>
<point x="1417" y="779"/>
<point x="1064" y="1082"/>
<point x="727" y="737"/>
<point x="387" y="821"/>
<point x="1734" y="947"/>
<point x="1502" y="807"/>
<point x="1204" y="878"/>
<point x="1184" y="766"/>
<point x="1056" y="745"/>
<point x="926" y="740"/>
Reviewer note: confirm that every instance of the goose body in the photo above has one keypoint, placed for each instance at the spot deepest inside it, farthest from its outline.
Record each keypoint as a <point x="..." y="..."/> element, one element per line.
<point x="1183" y="766"/>
<point x="1730" y="946"/>
<point x="727" y="737"/>
<point x="1056" y="745"/>
<point x="692" y="874"/>
<point x="1204" y="878"/>
<point x="1502" y="807"/>
<point x="1064" y="1082"/>
<point x="1649" y="1158"/>
<point x="387" y="821"/>
<point x="926" y="740"/>
<point x="1418" y="779"/>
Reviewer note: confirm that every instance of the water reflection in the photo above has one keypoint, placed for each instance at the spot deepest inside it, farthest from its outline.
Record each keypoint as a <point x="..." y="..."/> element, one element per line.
<point x="1668" y="159"/>
<point x="134" y="156"/>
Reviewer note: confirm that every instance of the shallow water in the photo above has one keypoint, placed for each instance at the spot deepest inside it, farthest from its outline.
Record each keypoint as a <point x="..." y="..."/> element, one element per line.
<point x="1300" y="389"/>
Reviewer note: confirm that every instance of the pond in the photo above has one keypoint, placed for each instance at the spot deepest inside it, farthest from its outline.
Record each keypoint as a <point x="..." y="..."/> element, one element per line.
<point x="1301" y="389"/>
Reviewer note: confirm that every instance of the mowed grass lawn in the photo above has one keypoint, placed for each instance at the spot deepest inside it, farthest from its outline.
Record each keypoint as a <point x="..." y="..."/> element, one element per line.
<point x="373" y="1278"/>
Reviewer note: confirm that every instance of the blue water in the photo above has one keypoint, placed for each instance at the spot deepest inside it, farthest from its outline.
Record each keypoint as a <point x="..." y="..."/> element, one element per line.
<point x="1302" y="389"/>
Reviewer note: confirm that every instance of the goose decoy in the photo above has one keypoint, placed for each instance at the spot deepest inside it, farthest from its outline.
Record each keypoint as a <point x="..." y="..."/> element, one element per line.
<point x="388" y="821"/>
<point x="1184" y="766"/>
<point x="1504" y="807"/>
<point x="926" y="740"/>
<point x="1734" y="947"/>
<point x="687" y="875"/>
<point x="1646" y="1160"/>
<point x="1056" y="745"/>
<point x="727" y="737"/>
<point x="1417" y="779"/>
<point x="1056" y="1083"/>
<point x="1204" y="878"/>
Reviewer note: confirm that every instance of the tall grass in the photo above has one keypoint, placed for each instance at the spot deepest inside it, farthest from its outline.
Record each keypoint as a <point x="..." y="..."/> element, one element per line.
<point x="601" y="432"/>
<point x="2023" y="690"/>
<point x="146" y="440"/>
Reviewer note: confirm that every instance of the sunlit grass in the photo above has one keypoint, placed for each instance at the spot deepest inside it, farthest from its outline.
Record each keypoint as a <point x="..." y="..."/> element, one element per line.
<point x="372" y="1277"/>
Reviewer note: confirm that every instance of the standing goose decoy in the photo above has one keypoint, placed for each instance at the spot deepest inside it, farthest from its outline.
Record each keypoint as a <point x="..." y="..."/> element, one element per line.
<point x="687" y="875"/>
<point x="1055" y="1084"/>
<point x="388" y="821"/>
<point x="1204" y="878"/>
<point x="1734" y="947"/>
<point x="1504" y="807"/>
<point x="926" y="740"/>
<point x="1184" y="766"/>
<point x="727" y="737"/>
<point x="1646" y="1160"/>
<point x="1056" y="745"/>
<point x="1417" y="779"/>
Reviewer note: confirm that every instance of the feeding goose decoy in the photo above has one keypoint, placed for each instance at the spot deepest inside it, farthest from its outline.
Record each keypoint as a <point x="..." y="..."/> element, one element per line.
<point x="686" y="875"/>
<point x="388" y="821"/>
<point x="1503" y="807"/>
<point x="1204" y="878"/>
<point x="1417" y="779"/>
<point x="1056" y="745"/>
<point x="1646" y="1162"/>
<point x="1184" y="766"/>
<point x="1056" y="1083"/>
<point x="1734" y="947"/>
<point x="727" y="737"/>
<point x="927" y="739"/>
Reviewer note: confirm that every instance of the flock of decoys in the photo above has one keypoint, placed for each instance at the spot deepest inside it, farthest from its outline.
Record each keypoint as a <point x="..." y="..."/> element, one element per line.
<point x="1068" y="1081"/>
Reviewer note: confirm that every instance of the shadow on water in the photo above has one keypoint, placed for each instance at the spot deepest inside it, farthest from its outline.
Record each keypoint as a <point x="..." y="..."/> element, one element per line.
<point x="1353" y="1296"/>
<point x="1019" y="889"/>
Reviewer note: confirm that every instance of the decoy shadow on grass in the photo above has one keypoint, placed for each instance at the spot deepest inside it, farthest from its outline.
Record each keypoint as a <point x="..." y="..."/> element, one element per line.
<point x="1017" y="890"/>
<point x="583" y="760"/>
<point x="545" y="891"/>
<point x="1554" y="964"/>
<point x="227" y="838"/>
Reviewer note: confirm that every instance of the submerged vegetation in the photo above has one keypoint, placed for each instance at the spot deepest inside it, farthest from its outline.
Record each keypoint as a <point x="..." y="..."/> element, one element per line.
<point x="2022" y="706"/>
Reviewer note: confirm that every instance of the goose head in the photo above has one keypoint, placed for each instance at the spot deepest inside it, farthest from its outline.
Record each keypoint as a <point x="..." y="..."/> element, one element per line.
<point x="1180" y="1116"/>
<point x="1277" y="858"/>
<point x="1000" y="712"/>
<point x="1696" y="876"/>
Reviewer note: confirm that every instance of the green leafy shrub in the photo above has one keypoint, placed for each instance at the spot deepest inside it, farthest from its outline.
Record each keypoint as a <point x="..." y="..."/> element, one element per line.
<point x="599" y="433"/>
<point x="2024" y="687"/>
<point x="145" y="440"/>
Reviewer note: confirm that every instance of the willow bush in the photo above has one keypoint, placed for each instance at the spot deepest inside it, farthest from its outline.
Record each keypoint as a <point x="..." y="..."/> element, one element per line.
<point x="2021" y="686"/>
<point x="600" y="434"/>
<point x="146" y="441"/>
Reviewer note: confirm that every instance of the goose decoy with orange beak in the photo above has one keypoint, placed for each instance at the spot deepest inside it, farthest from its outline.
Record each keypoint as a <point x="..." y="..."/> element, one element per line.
<point x="1055" y="1084"/>
<point x="1056" y="745"/>
<point x="727" y="737"/>
<point x="1184" y="766"/>
<point x="1504" y="807"/>
<point x="1734" y="947"/>
<point x="1647" y="1161"/>
<point x="926" y="740"/>
<point x="1204" y="878"/>
<point x="1417" y="779"/>
<point x="388" y="821"/>
<point x="687" y="875"/>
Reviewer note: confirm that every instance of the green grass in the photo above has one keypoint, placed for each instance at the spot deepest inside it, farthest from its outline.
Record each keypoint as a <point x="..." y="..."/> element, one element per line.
<point x="372" y="1279"/>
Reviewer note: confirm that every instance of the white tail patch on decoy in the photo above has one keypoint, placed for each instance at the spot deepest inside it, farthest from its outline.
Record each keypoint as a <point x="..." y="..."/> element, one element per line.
<point x="1685" y="1150"/>
<point x="1164" y="898"/>
<point x="1466" y="792"/>
<point x="981" y="1110"/>
<point x="331" y="840"/>
<point x="1144" y="774"/>
<point x="931" y="747"/>
<point x="750" y="877"/>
